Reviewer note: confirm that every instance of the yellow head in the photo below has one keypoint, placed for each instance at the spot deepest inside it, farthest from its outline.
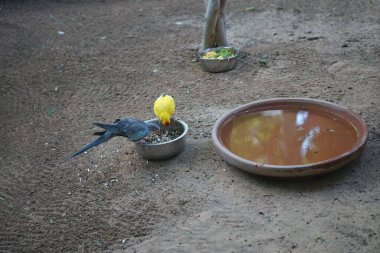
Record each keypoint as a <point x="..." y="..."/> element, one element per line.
<point x="163" y="108"/>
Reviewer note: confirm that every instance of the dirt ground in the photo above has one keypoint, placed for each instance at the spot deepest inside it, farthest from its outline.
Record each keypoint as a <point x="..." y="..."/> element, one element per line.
<point x="66" y="64"/>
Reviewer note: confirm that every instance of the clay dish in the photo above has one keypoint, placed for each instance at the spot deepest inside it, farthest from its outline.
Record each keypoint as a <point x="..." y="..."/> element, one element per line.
<point x="289" y="137"/>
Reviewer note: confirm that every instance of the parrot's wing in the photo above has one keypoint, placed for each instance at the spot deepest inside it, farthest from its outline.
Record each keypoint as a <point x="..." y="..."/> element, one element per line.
<point x="135" y="130"/>
<point x="113" y="128"/>
<point x="152" y="126"/>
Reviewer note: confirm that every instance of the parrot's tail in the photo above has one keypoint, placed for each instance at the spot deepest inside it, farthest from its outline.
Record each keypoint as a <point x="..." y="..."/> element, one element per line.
<point x="103" y="138"/>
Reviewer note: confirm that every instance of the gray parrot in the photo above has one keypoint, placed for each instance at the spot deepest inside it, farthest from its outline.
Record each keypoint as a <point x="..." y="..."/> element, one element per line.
<point x="133" y="129"/>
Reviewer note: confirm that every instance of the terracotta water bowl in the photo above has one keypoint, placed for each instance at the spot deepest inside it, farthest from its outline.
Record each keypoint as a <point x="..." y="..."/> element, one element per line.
<point x="289" y="137"/>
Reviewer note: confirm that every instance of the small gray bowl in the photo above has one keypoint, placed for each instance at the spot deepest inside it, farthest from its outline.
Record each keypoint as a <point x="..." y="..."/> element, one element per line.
<point x="166" y="150"/>
<point x="216" y="65"/>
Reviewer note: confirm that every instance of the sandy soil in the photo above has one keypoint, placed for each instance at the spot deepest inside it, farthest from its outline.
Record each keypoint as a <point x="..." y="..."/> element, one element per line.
<point x="66" y="64"/>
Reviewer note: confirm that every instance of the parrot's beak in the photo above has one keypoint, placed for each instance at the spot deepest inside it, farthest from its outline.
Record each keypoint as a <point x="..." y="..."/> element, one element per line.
<point x="166" y="122"/>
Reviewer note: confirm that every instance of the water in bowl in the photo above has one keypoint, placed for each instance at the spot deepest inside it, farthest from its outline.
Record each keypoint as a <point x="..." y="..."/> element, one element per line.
<point x="289" y="136"/>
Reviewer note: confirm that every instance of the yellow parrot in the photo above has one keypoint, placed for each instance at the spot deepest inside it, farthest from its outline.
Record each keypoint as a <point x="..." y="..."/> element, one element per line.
<point x="163" y="108"/>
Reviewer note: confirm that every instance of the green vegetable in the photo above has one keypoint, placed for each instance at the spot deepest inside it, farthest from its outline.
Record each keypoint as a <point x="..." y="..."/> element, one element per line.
<point x="223" y="53"/>
<point x="263" y="60"/>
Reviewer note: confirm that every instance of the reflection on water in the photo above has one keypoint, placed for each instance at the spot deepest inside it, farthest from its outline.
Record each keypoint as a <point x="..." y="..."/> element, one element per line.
<point x="301" y="117"/>
<point x="271" y="113"/>
<point x="307" y="143"/>
<point x="289" y="137"/>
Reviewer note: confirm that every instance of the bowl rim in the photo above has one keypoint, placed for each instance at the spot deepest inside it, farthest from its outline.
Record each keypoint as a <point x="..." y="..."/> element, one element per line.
<point x="185" y="130"/>
<point x="224" y="152"/>
<point x="237" y="50"/>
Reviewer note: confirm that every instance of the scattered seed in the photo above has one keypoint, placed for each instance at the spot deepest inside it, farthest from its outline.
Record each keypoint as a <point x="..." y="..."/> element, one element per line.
<point x="250" y="9"/>
<point x="319" y="240"/>
<point x="185" y="201"/>
<point x="314" y="38"/>
<point x="97" y="242"/>
<point x="162" y="137"/>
